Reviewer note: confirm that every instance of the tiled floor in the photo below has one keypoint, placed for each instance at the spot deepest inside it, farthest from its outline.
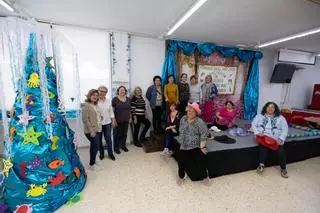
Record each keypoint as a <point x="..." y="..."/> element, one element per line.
<point x="139" y="182"/>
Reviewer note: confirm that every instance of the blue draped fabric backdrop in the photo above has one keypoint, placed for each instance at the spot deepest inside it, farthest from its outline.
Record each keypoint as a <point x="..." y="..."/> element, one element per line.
<point x="251" y="93"/>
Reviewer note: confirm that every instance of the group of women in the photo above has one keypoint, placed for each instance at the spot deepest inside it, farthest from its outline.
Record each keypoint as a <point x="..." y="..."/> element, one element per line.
<point x="189" y="108"/>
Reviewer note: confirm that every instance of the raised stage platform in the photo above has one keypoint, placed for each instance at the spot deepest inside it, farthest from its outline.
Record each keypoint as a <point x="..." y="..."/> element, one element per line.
<point x="242" y="156"/>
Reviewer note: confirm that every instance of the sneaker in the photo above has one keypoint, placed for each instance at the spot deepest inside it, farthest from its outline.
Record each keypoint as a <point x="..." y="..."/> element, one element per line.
<point x="94" y="167"/>
<point x="117" y="151"/>
<point x="125" y="149"/>
<point x="164" y="152"/>
<point x="112" y="157"/>
<point x="216" y="129"/>
<point x="101" y="157"/>
<point x="284" y="173"/>
<point x="180" y="181"/>
<point x="260" y="169"/>
<point x="206" y="182"/>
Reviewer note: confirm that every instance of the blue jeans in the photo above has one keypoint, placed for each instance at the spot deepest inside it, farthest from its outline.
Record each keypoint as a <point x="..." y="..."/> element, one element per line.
<point x="94" y="143"/>
<point x="106" y="131"/>
<point x="168" y="138"/>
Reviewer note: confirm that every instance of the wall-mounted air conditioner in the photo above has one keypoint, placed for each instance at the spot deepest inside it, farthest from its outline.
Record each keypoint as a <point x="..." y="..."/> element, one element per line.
<point x="298" y="57"/>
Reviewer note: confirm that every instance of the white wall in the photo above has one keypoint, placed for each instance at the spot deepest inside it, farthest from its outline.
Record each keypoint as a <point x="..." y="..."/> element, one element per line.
<point x="147" y="56"/>
<point x="301" y="84"/>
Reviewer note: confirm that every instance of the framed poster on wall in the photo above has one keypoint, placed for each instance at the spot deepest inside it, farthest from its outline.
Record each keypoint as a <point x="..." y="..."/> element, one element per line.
<point x="224" y="77"/>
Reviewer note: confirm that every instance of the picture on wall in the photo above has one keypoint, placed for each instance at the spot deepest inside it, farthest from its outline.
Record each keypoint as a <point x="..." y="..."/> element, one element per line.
<point x="224" y="77"/>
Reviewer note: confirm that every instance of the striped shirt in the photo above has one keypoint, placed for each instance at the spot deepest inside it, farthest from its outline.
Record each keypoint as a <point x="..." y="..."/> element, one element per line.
<point x="191" y="134"/>
<point x="138" y="106"/>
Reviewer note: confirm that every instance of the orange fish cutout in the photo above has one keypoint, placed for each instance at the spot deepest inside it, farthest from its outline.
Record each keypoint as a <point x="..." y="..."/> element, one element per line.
<point x="76" y="170"/>
<point x="57" y="180"/>
<point x="55" y="164"/>
<point x="12" y="132"/>
<point x="11" y="112"/>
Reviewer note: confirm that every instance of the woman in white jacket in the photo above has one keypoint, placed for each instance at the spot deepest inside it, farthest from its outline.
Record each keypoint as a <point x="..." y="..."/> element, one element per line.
<point x="271" y="125"/>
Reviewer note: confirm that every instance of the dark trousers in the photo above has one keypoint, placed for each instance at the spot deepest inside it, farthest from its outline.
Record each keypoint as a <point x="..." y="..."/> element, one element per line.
<point x="141" y="120"/>
<point x="106" y="130"/>
<point x="156" y="120"/>
<point x="168" y="139"/>
<point x="182" y="107"/>
<point x="122" y="130"/>
<point x="281" y="155"/>
<point x="94" y="145"/>
<point x="193" y="163"/>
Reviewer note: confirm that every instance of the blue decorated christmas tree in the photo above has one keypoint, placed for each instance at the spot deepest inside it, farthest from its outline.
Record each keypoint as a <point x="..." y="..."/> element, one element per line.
<point x="43" y="171"/>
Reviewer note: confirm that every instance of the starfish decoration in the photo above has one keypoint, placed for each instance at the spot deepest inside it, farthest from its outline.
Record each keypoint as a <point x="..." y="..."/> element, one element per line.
<point x="7" y="166"/>
<point x="25" y="118"/>
<point x="35" y="163"/>
<point x="31" y="136"/>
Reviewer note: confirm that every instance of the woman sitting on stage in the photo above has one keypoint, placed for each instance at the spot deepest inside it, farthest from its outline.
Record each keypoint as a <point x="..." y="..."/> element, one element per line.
<point x="193" y="133"/>
<point x="226" y="116"/>
<point x="271" y="130"/>
<point x="172" y="127"/>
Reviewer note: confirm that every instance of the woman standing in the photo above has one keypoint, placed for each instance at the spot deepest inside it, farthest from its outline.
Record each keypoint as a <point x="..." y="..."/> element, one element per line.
<point x="208" y="92"/>
<point x="122" y="111"/>
<point x="193" y="133"/>
<point x="184" y="93"/>
<point x="92" y="125"/>
<point x="155" y="97"/>
<point x="271" y="130"/>
<point x="108" y="121"/>
<point x="171" y="92"/>
<point x="226" y="116"/>
<point x="138" y="110"/>
<point x="194" y="90"/>
<point x="172" y="127"/>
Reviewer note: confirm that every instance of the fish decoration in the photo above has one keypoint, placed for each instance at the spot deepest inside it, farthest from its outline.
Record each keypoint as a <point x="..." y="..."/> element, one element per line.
<point x="57" y="180"/>
<point x="56" y="164"/>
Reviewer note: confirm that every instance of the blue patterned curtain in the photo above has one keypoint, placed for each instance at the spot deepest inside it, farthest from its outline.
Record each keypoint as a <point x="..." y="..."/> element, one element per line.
<point x="170" y="65"/>
<point x="251" y="94"/>
<point x="251" y="91"/>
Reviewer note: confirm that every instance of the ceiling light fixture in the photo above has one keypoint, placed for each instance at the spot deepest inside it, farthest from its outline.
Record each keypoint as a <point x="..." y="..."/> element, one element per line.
<point x="189" y="13"/>
<point x="298" y="35"/>
<point x="6" y="5"/>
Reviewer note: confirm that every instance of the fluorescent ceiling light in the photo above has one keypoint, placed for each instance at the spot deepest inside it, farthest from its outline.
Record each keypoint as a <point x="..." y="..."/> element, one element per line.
<point x="189" y="13"/>
<point x="6" y="5"/>
<point x="298" y="35"/>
